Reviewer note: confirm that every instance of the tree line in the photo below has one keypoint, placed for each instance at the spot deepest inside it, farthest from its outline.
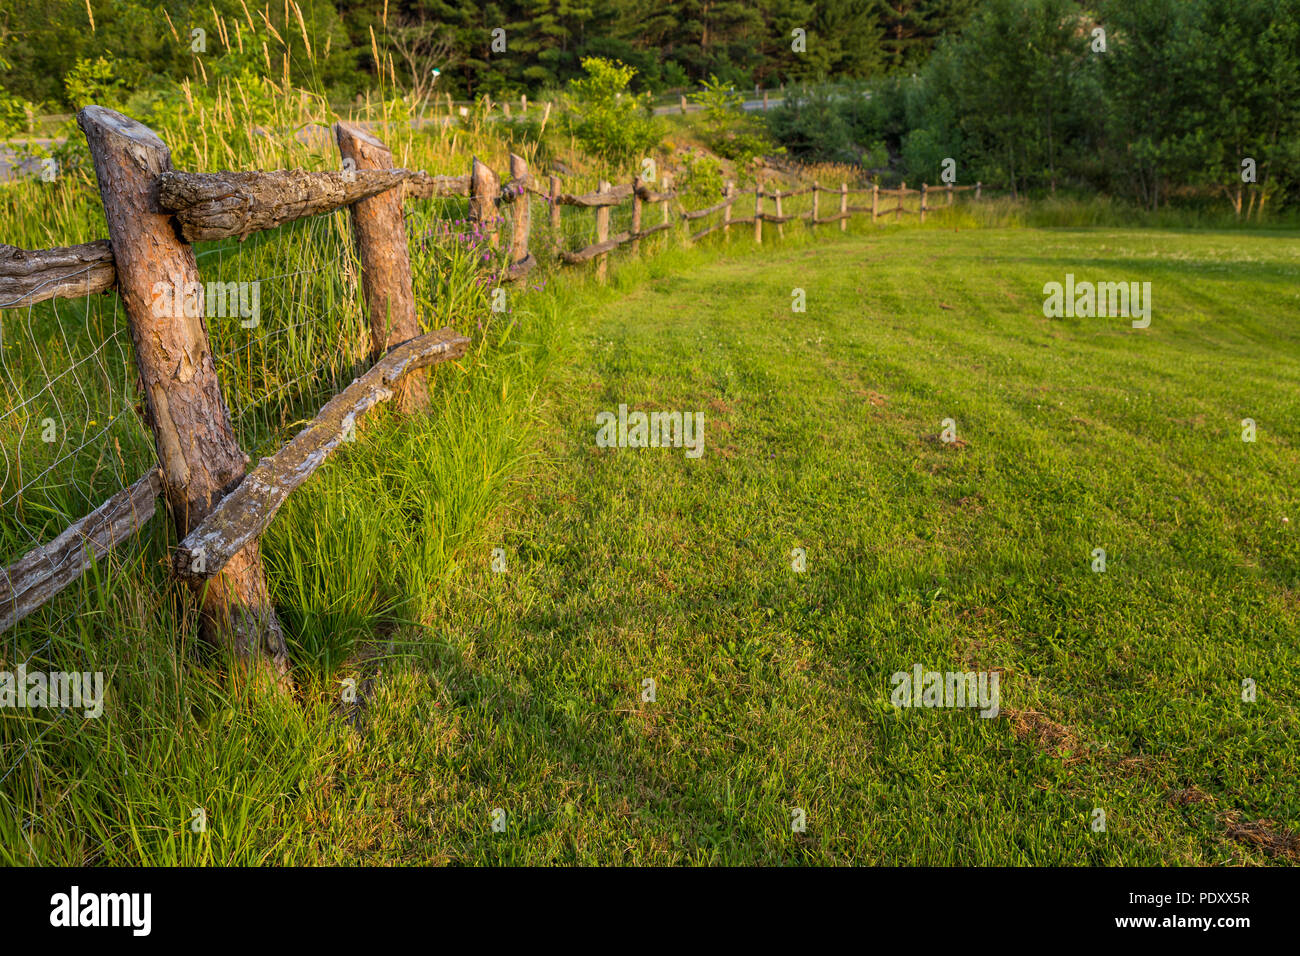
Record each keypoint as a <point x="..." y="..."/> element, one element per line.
<point x="1139" y="98"/>
<point x="670" y="43"/>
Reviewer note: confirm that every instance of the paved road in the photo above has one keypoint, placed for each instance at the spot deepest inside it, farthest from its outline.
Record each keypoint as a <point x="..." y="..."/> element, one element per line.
<point x="748" y="105"/>
<point x="10" y="165"/>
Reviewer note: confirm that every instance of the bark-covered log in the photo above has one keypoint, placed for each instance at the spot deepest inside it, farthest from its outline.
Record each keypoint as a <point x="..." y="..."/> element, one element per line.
<point x="30" y="276"/>
<point x="634" y="236"/>
<point x="484" y="188"/>
<point x="787" y="194"/>
<point x="695" y="236"/>
<point x="648" y="196"/>
<point x="386" y="281"/>
<point x="521" y="268"/>
<point x="221" y="205"/>
<point x="517" y="186"/>
<point x="637" y="202"/>
<point x="590" y="252"/>
<point x="45" y="571"/>
<point x="197" y="452"/>
<point x="422" y="185"/>
<point x="522" y="215"/>
<point x="708" y="210"/>
<point x="247" y="511"/>
<point x="610" y="196"/>
<point x="602" y="233"/>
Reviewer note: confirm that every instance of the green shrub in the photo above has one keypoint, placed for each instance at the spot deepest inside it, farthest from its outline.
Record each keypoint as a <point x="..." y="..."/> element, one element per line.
<point x="612" y="123"/>
<point x="701" y="184"/>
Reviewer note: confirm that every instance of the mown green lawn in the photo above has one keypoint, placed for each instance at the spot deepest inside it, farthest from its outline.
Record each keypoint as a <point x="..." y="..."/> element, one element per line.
<point x="522" y="690"/>
<point x="1120" y="691"/>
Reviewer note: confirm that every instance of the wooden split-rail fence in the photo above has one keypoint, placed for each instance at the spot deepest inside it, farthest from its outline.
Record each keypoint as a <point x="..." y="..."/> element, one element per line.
<point x="154" y="213"/>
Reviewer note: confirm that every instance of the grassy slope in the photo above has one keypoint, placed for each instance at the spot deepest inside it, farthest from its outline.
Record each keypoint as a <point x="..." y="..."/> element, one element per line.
<point x="1120" y="690"/>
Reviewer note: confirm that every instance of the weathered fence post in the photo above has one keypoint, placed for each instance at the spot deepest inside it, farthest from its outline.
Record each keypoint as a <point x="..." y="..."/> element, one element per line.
<point x="726" y="211"/>
<point x="523" y="103"/>
<point x="555" y="211"/>
<point x="666" y="183"/>
<point x="198" y="456"/>
<point x="977" y="191"/>
<point x="758" y="213"/>
<point x="780" y="226"/>
<point x="949" y="202"/>
<point x="813" y="221"/>
<point x="875" y="197"/>
<point x="765" y="101"/>
<point x="636" y="213"/>
<point x="521" y="206"/>
<point x="602" y="233"/>
<point x="683" y="99"/>
<point x="484" y="188"/>
<point x="902" y="197"/>
<point x="925" y="191"/>
<point x="379" y="228"/>
<point x="844" y="206"/>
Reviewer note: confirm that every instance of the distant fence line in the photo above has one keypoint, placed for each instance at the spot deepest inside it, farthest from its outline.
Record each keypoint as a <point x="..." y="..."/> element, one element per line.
<point x="154" y="213"/>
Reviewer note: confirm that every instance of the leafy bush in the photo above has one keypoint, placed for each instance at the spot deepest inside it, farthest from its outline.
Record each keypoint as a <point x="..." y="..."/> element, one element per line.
<point x="612" y="123"/>
<point x="728" y="130"/>
<point x="701" y="184"/>
<point x="812" y="124"/>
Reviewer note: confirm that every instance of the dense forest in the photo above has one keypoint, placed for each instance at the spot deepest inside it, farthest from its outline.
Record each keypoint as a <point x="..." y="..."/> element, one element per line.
<point x="671" y="43"/>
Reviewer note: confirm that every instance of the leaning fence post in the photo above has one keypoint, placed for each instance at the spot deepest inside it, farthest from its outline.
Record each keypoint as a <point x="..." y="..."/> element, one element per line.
<point x="844" y="206"/>
<point x="523" y="219"/>
<point x="813" y="221"/>
<point x="379" y="228"/>
<point x="484" y="188"/>
<point x="924" y="193"/>
<point x="726" y="211"/>
<point x="758" y="213"/>
<point x="780" y="227"/>
<point x="636" y="213"/>
<point x="197" y="453"/>
<point x="602" y="232"/>
<point x="902" y="197"/>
